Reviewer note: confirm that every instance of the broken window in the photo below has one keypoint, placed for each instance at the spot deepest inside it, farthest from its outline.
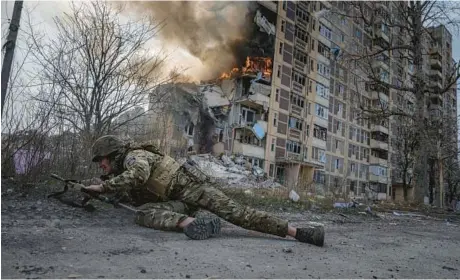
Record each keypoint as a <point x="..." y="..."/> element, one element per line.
<point x="295" y="123"/>
<point x="283" y="25"/>
<point x="323" y="50"/>
<point x="297" y="100"/>
<point x="301" y="34"/>
<point x="247" y="116"/>
<point x="302" y="14"/>
<point x="320" y="132"/>
<point x="300" y="55"/>
<point x="293" y="147"/>
<point x="299" y="78"/>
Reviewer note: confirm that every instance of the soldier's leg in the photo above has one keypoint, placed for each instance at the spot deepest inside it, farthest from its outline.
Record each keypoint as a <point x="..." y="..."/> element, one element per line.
<point x="163" y="215"/>
<point x="214" y="200"/>
<point x="176" y="216"/>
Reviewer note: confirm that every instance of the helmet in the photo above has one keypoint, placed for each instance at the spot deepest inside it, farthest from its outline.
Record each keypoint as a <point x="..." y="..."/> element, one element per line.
<point x="106" y="145"/>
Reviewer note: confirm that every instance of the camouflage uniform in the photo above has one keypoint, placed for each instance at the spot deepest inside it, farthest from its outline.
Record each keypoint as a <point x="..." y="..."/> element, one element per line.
<point x="168" y="192"/>
<point x="187" y="192"/>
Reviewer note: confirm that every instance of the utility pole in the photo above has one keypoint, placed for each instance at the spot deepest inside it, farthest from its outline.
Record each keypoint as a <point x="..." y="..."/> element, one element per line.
<point x="9" y="47"/>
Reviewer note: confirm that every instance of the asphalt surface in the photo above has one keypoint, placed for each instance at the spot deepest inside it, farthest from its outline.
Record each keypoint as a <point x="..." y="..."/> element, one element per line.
<point x="44" y="239"/>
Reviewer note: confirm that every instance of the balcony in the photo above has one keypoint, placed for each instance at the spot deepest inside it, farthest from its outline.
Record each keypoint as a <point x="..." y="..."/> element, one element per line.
<point x="320" y="121"/>
<point x="435" y="63"/>
<point x="378" y="161"/>
<point x="302" y="45"/>
<point x="435" y="73"/>
<point x="297" y="88"/>
<point x="380" y="179"/>
<point x="379" y="128"/>
<point x="436" y="85"/>
<point x="319" y="143"/>
<point x="254" y="100"/>
<point x="301" y="159"/>
<point x="297" y="111"/>
<point x="300" y="66"/>
<point x="434" y="50"/>
<point x="248" y="150"/>
<point x="295" y="134"/>
<point x="379" y="145"/>
<point x="300" y="22"/>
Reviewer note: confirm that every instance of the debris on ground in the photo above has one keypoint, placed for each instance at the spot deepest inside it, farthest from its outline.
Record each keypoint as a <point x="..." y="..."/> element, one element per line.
<point x="233" y="171"/>
<point x="294" y="196"/>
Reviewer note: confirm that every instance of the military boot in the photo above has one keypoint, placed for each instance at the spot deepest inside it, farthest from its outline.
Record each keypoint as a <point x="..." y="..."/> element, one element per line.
<point x="312" y="234"/>
<point x="203" y="228"/>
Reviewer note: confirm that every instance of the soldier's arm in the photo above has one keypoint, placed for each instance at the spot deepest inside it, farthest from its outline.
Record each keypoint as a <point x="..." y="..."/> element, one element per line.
<point x="137" y="172"/>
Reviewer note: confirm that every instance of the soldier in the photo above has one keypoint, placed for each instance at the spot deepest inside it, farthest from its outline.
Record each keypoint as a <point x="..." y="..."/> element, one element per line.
<point x="169" y="193"/>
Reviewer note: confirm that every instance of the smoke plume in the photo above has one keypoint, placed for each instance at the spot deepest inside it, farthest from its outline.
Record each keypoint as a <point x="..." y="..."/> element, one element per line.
<point x="213" y="32"/>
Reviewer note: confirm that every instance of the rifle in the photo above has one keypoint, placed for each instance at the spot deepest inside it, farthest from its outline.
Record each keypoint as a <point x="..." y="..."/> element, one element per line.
<point x="88" y="195"/>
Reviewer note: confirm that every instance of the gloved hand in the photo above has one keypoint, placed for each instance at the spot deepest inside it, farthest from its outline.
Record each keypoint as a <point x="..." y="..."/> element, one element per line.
<point x="92" y="181"/>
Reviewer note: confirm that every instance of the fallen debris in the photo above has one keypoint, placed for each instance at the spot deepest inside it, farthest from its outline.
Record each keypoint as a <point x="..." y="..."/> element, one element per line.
<point x="233" y="172"/>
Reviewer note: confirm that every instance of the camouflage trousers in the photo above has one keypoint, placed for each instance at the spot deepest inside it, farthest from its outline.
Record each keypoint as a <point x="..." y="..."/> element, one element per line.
<point x="189" y="194"/>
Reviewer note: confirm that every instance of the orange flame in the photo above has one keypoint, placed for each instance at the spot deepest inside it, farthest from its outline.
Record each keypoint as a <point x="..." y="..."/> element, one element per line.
<point x="253" y="65"/>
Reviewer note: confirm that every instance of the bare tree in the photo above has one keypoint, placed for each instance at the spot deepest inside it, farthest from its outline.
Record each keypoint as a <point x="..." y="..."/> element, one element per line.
<point x="100" y="65"/>
<point x="405" y="145"/>
<point x="401" y="35"/>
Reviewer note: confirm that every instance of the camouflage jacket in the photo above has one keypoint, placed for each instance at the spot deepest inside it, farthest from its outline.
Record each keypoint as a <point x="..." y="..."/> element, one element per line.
<point x="145" y="176"/>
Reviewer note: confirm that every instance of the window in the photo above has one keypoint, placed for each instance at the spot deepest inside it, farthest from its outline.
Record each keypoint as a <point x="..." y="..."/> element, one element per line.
<point x="342" y="37"/>
<point x="318" y="154"/>
<point x="340" y="111"/>
<point x="271" y="170"/>
<point x="300" y="56"/>
<point x="275" y="119"/>
<point x="337" y="163"/>
<point x="312" y="45"/>
<point x="281" y="48"/>
<point x="320" y="132"/>
<point x="301" y="14"/>
<point x="284" y="5"/>
<point x="323" y="50"/>
<point x="378" y="170"/>
<point x="299" y="78"/>
<point x="272" y="148"/>
<point x="283" y="25"/>
<point x="247" y="115"/>
<point x="297" y="100"/>
<point x="278" y="73"/>
<point x="293" y="147"/>
<point x="323" y="70"/>
<point x="352" y="167"/>
<point x="189" y="129"/>
<point x="326" y="32"/>
<point x="301" y="34"/>
<point x="322" y="90"/>
<point x="295" y="123"/>
<point x="319" y="177"/>
<point x="321" y="111"/>
<point x="277" y="95"/>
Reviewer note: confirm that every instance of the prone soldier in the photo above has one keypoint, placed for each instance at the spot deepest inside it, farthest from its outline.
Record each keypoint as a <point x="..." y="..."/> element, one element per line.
<point x="169" y="193"/>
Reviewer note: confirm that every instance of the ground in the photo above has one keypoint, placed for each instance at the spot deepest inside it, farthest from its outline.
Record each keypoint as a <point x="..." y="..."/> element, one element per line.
<point x="43" y="238"/>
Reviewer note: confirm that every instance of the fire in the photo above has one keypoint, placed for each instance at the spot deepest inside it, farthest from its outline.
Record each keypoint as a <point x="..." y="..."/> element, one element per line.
<point x="253" y="65"/>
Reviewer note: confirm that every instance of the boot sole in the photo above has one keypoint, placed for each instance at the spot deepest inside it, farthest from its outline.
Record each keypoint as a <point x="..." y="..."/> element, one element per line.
<point x="203" y="228"/>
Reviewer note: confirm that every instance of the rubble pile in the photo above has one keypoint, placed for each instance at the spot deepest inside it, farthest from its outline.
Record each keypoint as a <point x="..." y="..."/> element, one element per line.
<point x="233" y="172"/>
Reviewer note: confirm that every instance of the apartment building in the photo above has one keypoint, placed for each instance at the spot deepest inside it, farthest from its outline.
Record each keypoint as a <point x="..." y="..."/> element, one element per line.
<point x="294" y="109"/>
<point x="314" y="132"/>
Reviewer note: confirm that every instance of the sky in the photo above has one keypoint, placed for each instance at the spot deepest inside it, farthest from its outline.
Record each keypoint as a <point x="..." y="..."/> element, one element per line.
<point x="42" y="13"/>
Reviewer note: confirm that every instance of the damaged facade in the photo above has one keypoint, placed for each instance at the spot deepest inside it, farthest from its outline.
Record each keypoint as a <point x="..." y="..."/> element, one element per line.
<point x="290" y="108"/>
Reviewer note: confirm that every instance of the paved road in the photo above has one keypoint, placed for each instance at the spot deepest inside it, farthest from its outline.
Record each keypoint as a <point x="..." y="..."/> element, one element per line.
<point x="48" y="240"/>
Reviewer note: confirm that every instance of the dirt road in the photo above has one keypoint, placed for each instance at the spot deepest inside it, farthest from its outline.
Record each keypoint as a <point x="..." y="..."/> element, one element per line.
<point x="45" y="239"/>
